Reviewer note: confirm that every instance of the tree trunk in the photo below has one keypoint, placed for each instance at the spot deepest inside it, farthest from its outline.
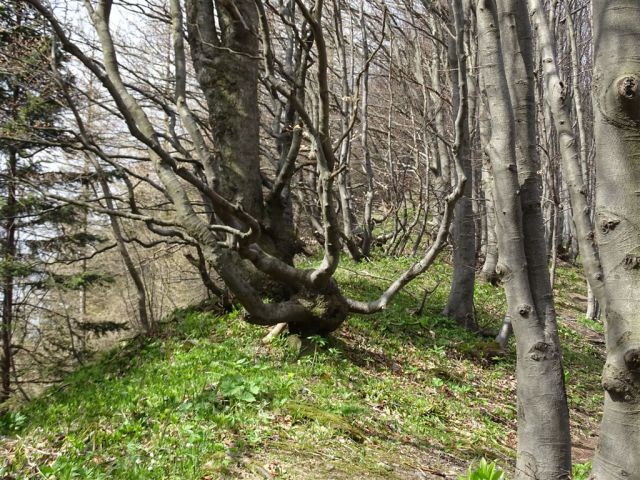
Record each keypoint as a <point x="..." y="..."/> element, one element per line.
<point x="441" y="166"/>
<point x="225" y="52"/>
<point x="544" y="443"/>
<point x="460" y="303"/>
<point x="367" y="224"/>
<point x="516" y="37"/>
<point x="593" y="307"/>
<point x="556" y="99"/>
<point x="225" y="56"/>
<point x="141" y="293"/>
<point x="491" y="254"/>
<point x="8" y="257"/>
<point x="344" y="158"/>
<point x="592" y="302"/>
<point x="617" y="135"/>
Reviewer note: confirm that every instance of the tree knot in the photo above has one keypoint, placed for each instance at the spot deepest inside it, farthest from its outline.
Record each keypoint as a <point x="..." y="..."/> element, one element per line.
<point x="632" y="359"/>
<point x="502" y="271"/>
<point x="628" y="87"/>
<point x="524" y="310"/>
<point x="607" y="226"/>
<point x="618" y="381"/>
<point x="539" y="351"/>
<point x="631" y="262"/>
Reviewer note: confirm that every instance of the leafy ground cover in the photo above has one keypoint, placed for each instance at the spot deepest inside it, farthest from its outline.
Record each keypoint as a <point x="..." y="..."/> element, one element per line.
<point x="396" y="395"/>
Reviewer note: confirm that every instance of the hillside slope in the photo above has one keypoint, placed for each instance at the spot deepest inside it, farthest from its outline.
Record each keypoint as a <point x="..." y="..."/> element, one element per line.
<point x="394" y="395"/>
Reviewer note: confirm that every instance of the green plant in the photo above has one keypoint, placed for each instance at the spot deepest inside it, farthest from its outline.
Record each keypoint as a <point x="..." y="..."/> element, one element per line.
<point x="237" y="388"/>
<point x="12" y="422"/>
<point x="318" y="340"/>
<point x="484" y="471"/>
<point x="581" y="471"/>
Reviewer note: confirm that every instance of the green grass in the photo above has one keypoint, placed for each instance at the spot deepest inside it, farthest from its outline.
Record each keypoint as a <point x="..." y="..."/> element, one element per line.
<point x="387" y="396"/>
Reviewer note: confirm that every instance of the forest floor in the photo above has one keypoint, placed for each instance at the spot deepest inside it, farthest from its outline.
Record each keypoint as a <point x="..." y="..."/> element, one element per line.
<point x="389" y="396"/>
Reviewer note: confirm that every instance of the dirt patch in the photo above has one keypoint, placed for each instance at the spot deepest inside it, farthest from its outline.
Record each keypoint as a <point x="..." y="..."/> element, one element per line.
<point x="583" y="449"/>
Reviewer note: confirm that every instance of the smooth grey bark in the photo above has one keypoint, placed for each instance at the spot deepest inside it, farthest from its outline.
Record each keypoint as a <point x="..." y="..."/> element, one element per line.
<point x="592" y="302"/>
<point x="440" y="166"/>
<point x="367" y="223"/>
<point x="593" y="307"/>
<point x="572" y="165"/>
<point x="544" y="442"/>
<point x="488" y="272"/>
<point x="616" y="99"/>
<point x="460" y="302"/>
<point x="516" y="37"/>
<point x="577" y="96"/>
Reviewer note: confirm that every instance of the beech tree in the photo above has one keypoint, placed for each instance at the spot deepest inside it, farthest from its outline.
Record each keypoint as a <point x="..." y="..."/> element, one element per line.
<point x="607" y="258"/>
<point x="617" y="116"/>
<point x="543" y="419"/>
<point x="460" y="303"/>
<point x="209" y="166"/>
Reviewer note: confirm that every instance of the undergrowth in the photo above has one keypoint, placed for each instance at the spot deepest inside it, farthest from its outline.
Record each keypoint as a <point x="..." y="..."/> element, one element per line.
<point x="395" y="395"/>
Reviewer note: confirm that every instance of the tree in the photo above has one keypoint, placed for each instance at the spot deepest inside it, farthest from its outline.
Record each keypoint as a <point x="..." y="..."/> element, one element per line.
<point x="460" y="303"/>
<point x="240" y="229"/>
<point x="41" y="238"/>
<point x="544" y="444"/>
<point x="28" y="109"/>
<point x="607" y="255"/>
<point x="617" y="116"/>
